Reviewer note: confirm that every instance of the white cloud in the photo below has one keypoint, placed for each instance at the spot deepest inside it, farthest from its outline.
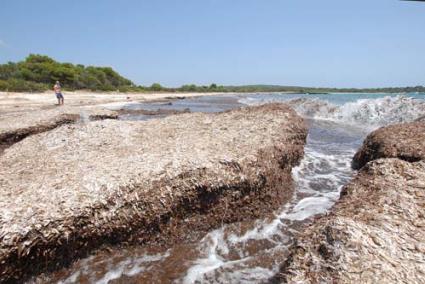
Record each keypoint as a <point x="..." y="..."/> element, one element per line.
<point x="2" y="43"/>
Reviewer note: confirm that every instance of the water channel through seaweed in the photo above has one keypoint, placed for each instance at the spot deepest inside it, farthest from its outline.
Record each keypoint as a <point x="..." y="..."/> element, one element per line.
<point x="251" y="252"/>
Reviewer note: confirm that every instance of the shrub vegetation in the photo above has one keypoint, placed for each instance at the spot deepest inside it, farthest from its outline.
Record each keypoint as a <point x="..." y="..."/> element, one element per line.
<point x="39" y="72"/>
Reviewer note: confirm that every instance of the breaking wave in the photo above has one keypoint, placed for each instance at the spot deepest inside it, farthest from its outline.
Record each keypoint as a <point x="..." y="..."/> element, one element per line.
<point x="370" y="113"/>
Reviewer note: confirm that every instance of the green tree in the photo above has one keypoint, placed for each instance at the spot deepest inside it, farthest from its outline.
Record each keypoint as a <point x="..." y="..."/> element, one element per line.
<point x="39" y="71"/>
<point x="156" y="87"/>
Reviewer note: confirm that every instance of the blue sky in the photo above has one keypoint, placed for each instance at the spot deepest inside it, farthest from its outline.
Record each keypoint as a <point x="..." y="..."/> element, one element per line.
<point x="337" y="43"/>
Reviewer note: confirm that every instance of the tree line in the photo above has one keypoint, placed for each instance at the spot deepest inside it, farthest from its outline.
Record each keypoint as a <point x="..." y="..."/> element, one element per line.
<point x="39" y="72"/>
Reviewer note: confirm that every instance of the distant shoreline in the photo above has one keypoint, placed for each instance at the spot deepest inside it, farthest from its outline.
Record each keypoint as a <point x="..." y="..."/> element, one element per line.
<point x="21" y="101"/>
<point x="183" y="93"/>
<point x="37" y="73"/>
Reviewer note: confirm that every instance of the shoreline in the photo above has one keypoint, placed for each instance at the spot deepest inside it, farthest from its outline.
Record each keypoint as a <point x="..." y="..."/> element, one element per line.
<point x="23" y="101"/>
<point x="11" y="101"/>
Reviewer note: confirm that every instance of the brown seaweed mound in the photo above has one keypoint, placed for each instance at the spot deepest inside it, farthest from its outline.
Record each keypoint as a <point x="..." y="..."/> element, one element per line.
<point x="405" y="141"/>
<point x="15" y="126"/>
<point x="70" y="190"/>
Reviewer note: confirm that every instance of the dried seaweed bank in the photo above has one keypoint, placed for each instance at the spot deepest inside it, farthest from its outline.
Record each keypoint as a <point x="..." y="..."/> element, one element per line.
<point x="16" y="126"/>
<point x="158" y="111"/>
<point x="69" y="191"/>
<point x="404" y="141"/>
<point x="375" y="233"/>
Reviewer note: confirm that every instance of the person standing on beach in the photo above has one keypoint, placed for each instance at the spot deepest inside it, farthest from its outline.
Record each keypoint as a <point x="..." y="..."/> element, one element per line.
<point x="58" y="92"/>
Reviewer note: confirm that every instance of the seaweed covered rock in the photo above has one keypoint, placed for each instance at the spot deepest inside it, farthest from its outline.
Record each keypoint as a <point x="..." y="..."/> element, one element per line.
<point x="374" y="234"/>
<point x="73" y="189"/>
<point x="405" y="141"/>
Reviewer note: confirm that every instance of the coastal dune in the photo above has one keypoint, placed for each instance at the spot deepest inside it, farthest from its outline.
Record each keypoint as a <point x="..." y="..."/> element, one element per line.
<point x="375" y="232"/>
<point x="79" y="187"/>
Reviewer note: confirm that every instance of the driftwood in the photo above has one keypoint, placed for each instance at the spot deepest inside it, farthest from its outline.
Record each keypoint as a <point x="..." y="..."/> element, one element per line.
<point x="71" y="190"/>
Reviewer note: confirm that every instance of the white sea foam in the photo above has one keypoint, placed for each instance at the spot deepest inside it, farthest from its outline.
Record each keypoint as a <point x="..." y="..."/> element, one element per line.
<point x="211" y="260"/>
<point x="311" y="206"/>
<point x="129" y="267"/>
<point x="217" y="244"/>
<point x="364" y="112"/>
<point x="382" y="111"/>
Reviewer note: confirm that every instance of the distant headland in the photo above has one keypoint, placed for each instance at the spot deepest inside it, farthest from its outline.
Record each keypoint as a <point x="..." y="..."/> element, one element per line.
<point x="37" y="73"/>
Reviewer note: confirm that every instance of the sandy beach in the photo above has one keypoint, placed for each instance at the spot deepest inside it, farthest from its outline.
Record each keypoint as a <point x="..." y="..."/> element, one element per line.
<point x="23" y="114"/>
<point x="13" y="102"/>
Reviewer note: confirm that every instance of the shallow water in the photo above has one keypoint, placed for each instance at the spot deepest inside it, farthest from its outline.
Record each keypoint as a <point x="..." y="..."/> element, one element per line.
<point x="251" y="252"/>
<point x="202" y="104"/>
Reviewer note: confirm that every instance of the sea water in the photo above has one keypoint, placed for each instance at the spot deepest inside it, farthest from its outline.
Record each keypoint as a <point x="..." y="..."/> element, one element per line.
<point x="251" y="252"/>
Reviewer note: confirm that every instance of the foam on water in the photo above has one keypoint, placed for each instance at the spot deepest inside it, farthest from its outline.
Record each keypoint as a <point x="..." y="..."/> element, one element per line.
<point x="130" y="266"/>
<point x="374" y="112"/>
<point x="212" y="244"/>
<point x="318" y="179"/>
